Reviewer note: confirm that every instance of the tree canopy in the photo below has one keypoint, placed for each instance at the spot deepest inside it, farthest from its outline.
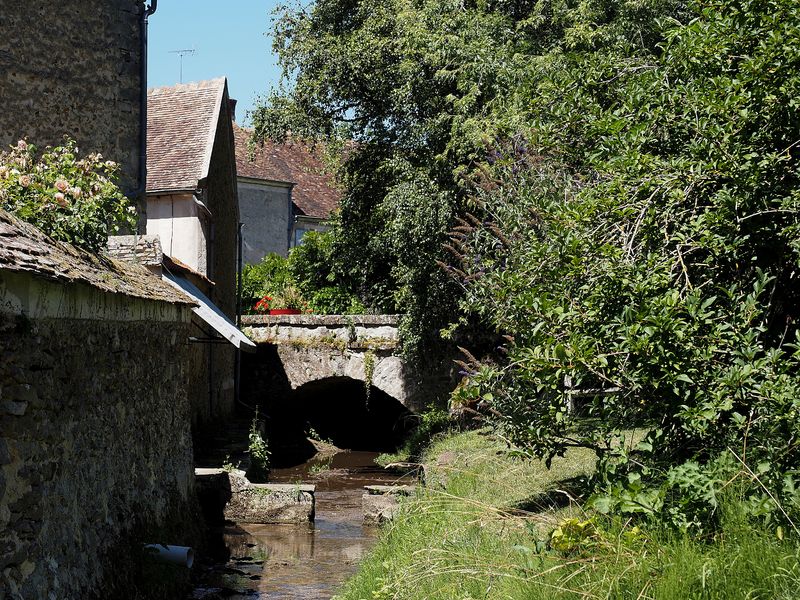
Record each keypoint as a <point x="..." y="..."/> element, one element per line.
<point x="612" y="185"/>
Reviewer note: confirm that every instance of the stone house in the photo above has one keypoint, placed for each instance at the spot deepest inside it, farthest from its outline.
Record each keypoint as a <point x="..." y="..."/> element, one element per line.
<point x="95" y="354"/>
<point x="77" y="68"/>
<point x="284" y="192"/>
<point x="192" y="207"/>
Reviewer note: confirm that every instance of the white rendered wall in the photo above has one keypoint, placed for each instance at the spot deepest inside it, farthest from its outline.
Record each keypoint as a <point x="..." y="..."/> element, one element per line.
<point x="179" y="221"/>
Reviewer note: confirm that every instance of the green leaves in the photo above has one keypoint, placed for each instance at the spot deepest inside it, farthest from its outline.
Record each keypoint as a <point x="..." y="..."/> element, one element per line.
<point x="71" y="199"/>
<point x="650" y="257"/>
<point x="620" y="186"/>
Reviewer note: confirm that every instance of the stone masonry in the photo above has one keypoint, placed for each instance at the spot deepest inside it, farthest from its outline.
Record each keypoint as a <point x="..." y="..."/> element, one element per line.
<point x="295" y="350"/>
<point x="72" y="67"/>
<point x="95" y="444"/>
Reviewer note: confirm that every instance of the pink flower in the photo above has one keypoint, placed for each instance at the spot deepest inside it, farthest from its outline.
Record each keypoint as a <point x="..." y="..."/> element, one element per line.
<point x="24" y="180"/>
<point x="22" y="145"/>
<point x="76" y="192"/>
<point x="62" y="185"/>
<point x="3" y="171"/>
<point x="61" y="200"/>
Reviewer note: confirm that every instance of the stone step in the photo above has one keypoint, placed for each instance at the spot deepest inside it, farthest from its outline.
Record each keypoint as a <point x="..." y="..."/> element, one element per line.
<point x="228" y="494"/>
<point x="381" y="502"/>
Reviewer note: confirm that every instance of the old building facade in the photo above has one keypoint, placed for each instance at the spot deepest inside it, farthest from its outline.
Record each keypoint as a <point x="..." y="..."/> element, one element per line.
<point x="284" y="192"/>
<point x="192" y="207"/>
<point x="75" y="68"/>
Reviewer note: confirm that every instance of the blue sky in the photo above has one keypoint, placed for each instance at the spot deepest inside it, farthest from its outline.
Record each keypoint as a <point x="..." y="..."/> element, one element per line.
<point x="229" y="38"/>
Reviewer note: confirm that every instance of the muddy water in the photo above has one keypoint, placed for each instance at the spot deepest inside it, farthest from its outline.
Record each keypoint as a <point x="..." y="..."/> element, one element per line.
<point x="301" y="562"/>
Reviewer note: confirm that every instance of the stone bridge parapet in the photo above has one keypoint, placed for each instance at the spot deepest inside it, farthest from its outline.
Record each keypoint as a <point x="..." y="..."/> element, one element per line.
<point x="358" y="332"/>
<point x="295" y="351"/>
<point x="313" y="348"/>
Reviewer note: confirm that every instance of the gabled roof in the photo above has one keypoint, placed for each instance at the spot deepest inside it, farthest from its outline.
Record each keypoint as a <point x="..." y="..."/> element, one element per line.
<point x="293" y="161"/>
<point x="181" y="126"/>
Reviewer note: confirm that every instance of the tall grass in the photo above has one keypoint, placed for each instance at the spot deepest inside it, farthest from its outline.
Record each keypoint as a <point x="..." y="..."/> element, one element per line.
<point x="480" y="530"/>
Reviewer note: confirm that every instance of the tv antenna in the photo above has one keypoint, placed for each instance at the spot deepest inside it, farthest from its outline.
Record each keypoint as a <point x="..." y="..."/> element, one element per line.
<point x="181" y="54"/>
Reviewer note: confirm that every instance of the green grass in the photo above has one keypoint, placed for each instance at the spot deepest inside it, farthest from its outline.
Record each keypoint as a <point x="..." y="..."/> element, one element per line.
<point x="431" y="424"/>
<point x="481" y="527"/>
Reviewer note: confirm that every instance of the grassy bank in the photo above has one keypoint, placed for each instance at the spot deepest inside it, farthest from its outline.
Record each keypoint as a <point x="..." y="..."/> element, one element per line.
<point x="483" y="527"/>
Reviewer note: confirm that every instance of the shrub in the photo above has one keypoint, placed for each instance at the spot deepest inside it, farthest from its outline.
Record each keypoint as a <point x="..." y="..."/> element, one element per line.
<point x="303" y="281"/>
<point x="266" y="278"/>
<point x="71" y="199"/>
<point x="259" y="453"/>
<point x="311" y="265"/>
<point x="646" y="278"/>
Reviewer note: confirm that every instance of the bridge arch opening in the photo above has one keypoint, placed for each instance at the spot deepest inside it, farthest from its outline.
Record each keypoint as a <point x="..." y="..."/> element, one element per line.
<point x="339" y="410"/>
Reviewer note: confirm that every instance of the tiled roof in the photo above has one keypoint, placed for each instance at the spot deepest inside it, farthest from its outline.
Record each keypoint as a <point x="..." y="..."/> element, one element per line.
<point x="181" y="125"/>
<point x="261" y="163"/>
<point x="314" y="193"/>
<point x="24" y="248"/>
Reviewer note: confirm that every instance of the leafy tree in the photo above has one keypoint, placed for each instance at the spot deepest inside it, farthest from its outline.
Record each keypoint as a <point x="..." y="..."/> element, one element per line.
<point x="643" y="262"/>
<point x="626" y="178"/>
<point x="420" y="88"/>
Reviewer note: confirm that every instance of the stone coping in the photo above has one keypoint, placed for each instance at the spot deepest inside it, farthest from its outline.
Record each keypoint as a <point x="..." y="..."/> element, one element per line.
<point x="287" y="488"/>
<point x="319" y="320"/>
<point x="272" y="487"/>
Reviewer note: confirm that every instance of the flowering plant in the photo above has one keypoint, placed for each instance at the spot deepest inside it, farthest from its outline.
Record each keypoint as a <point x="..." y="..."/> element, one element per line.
<point x="70" y="198"/>
<point x="262" y="306"/>
<point x="287" y="298"/>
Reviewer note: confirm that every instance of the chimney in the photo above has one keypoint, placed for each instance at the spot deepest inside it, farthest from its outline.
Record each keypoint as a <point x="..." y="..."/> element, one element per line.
<point x="232" y="107"/>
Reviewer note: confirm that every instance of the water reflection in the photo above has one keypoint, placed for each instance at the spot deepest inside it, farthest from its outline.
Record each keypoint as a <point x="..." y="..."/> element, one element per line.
<point x="300" y="562"/>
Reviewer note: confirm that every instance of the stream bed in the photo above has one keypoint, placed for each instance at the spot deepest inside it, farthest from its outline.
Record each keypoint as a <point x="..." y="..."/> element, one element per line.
<point x="294" y="562"/>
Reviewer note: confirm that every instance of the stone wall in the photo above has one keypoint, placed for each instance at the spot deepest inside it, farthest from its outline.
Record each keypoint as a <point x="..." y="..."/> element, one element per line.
<point x="223" y="249"/>
<point x="95" y="443"/>
<point x="72" y="67"/>
<point x="264" y="210"/>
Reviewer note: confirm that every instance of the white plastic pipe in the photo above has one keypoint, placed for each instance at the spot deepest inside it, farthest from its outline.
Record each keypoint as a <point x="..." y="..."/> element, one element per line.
<point x="178" y="555"/>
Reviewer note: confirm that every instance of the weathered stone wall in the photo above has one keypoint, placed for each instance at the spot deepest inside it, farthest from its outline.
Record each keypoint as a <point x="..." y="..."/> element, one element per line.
<point x="95" y="444"/>
<point x="72" y="67"/>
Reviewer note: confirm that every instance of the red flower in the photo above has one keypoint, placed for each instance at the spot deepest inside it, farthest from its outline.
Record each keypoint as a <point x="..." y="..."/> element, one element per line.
<point x="263" y="304"/>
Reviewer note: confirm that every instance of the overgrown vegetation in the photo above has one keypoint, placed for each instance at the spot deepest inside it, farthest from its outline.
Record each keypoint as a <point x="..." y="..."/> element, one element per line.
<point x="258" y="449"/>
<point x="620" y="182"/>
<point x="650" y="272"/>
<point x="71" y="198"/>
<point x="495" y="526"/>
<point x="302" y="281"/>
<point x="431" y="423"/>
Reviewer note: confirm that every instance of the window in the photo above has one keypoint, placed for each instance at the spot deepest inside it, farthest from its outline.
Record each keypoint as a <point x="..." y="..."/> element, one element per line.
<point x="298" y="235"/>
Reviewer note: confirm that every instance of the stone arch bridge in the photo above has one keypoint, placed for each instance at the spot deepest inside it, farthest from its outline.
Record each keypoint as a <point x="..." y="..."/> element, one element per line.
<point x="297" y="351"/>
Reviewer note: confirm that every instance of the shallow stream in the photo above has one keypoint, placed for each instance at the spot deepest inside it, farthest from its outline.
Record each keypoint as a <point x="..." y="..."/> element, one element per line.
<point x="294" y="562"/>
